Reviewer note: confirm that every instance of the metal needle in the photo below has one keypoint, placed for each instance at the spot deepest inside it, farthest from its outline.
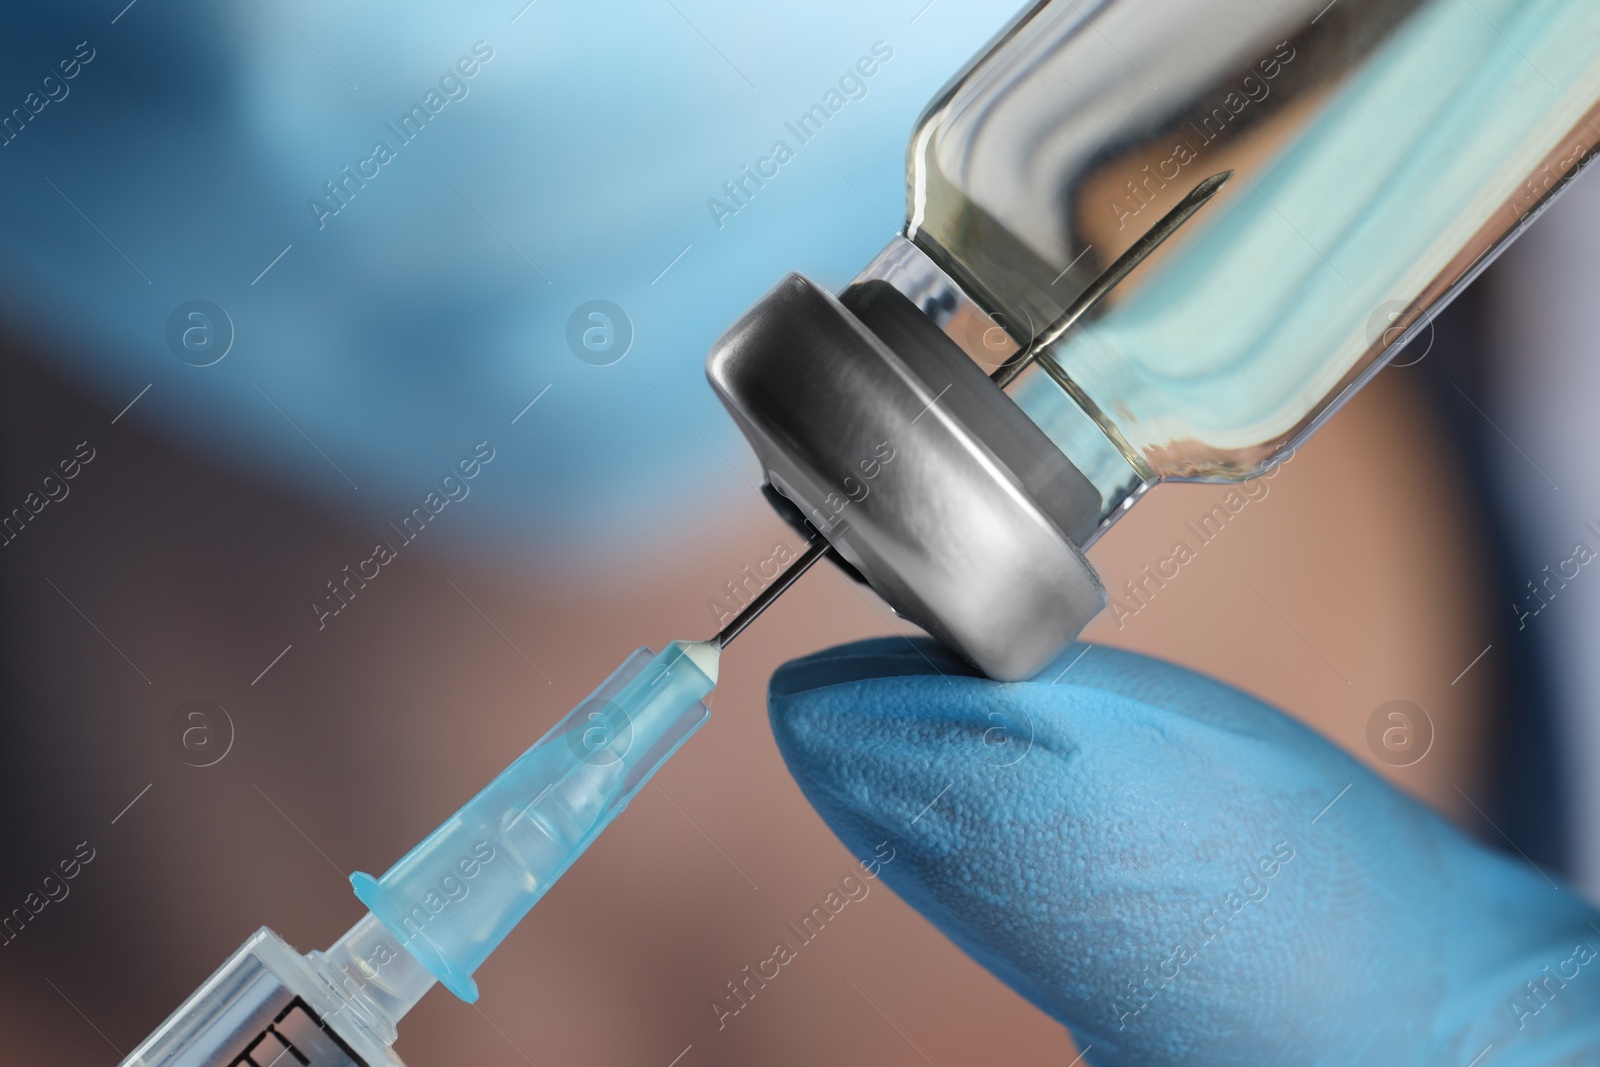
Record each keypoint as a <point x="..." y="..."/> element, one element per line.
<point x="813" y="552"/>
<point x="1113" y="275"/>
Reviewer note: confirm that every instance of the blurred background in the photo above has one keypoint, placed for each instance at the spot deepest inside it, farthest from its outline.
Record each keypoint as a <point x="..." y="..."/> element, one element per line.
<point x="360" y="335"/>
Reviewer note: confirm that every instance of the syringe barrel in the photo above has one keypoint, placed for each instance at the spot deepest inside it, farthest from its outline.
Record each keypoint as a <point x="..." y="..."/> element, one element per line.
<point x="269" y="1004"/>
<point x="455" y="896"/>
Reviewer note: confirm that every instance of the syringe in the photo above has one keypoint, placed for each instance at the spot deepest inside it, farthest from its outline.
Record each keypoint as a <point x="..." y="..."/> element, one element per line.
<point x="437" y="914"/>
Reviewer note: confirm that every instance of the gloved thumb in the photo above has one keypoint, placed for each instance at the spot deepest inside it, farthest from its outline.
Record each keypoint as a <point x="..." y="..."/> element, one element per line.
<point x="1181" y="874"/>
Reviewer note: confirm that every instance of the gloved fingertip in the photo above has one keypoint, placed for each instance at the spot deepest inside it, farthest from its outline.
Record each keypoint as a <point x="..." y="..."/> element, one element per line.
<point x="871" y="737"/>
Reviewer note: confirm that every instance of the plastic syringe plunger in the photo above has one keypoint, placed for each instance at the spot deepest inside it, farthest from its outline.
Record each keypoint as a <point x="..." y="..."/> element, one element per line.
<point x="456" y="896"/>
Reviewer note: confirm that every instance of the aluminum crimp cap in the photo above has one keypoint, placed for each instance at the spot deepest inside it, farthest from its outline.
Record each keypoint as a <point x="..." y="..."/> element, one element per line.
<point x="917" y="468"/>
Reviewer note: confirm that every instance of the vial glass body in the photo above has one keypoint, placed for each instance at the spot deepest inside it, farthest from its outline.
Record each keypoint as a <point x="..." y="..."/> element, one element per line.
<point x="1382" y="153"/>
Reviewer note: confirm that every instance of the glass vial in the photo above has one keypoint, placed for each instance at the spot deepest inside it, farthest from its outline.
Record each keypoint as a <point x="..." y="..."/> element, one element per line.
<point x="1382" y="152"/>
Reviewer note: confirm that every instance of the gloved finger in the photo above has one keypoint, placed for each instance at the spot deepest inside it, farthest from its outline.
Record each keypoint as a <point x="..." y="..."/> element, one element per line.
<point x="1175" y="870"/>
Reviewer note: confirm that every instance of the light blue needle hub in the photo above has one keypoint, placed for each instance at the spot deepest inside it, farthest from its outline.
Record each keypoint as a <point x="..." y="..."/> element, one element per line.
<point x="456" y="896"/>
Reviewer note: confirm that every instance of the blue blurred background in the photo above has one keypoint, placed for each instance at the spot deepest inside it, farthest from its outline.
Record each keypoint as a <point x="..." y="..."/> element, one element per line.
<point x="433" y="307"/>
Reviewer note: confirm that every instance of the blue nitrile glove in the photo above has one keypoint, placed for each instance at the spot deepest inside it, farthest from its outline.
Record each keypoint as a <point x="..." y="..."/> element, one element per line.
<point x="1180" y="873"/>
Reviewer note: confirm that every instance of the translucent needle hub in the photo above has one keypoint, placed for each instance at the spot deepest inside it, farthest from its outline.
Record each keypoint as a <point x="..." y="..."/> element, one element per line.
<point x="455" y="896"/>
